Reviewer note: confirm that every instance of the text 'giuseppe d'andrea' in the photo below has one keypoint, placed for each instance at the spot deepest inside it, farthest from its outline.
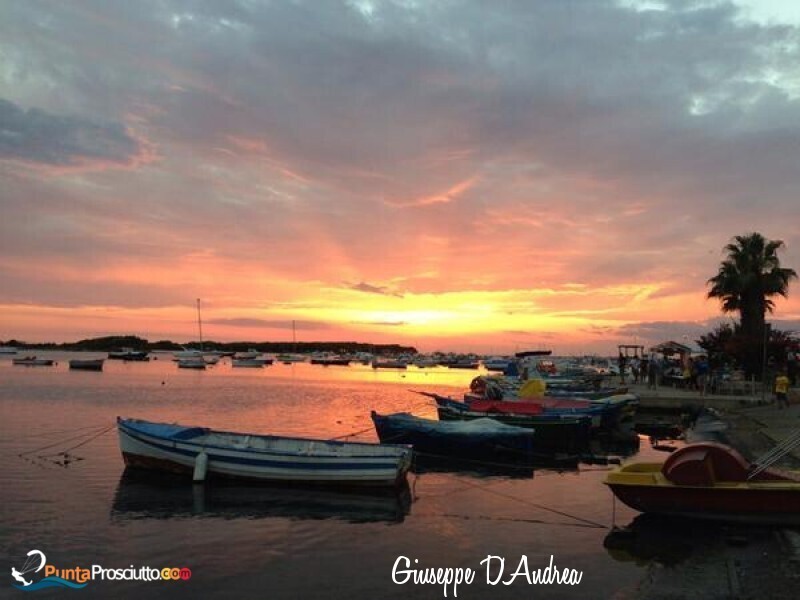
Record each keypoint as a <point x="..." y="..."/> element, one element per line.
<point x="495" y="569"/>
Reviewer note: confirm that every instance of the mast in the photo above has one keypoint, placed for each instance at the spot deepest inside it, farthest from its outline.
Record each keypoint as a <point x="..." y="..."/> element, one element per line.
<point x="294" y="338"/>
<point x="199" y="325"/>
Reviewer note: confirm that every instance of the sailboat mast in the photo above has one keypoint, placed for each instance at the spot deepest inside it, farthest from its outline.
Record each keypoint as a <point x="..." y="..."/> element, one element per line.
<point x="199" y="325"/>
<point x="294" y="338"/>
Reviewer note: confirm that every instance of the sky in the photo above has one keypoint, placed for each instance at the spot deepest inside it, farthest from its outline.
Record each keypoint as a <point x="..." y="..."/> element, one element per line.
<point x="453" y="175"/>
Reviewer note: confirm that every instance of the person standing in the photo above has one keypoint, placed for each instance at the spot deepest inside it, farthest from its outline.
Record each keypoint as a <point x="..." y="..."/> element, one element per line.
<point x="621" y="364"/>
<point x="635" y="369"/>
<point x="644" y="369"/>
<point x="791" y="366"/>
<point x="653" y="368"/>
<point x="781" y="389"/>
<point x="701" y="368"/>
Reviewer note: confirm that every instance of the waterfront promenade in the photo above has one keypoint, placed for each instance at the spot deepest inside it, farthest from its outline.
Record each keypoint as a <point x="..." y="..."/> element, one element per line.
<point x="755" y="424"/>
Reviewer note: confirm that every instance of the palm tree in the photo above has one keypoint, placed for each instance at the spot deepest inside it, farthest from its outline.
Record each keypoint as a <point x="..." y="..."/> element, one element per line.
<point x="748" y="279"/>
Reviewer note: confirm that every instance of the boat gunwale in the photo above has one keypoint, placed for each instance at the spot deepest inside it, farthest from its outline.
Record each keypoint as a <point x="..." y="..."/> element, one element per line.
<point x="399" y="449"/>
<point x="633" y="479"/>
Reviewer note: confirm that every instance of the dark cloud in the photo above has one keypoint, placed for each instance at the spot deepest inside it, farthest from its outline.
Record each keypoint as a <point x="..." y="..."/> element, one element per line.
<point x="659" y="331"/>
<point x="373" y="289"/>
<point x="40" y="137"/>
<point x="600" y="330"/>
<point x="381" y="323"/>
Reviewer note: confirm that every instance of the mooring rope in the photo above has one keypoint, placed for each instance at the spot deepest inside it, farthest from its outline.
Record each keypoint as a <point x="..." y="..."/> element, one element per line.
<point x="52" y="432"/>
<point x="534" y="504"/>
<point x="69" y="439"/>
<point x="508" y="519"/>
<point x="410" y="409"/>
<point x="83" y="443"/>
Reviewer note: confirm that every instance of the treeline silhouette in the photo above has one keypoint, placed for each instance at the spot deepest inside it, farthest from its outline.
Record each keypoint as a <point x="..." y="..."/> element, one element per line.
<point x="115" y="342"/>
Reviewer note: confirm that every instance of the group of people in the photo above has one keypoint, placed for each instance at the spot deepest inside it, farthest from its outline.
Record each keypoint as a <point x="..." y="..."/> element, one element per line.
<point x="648" y="367"/>
<point x="694" y="373"/>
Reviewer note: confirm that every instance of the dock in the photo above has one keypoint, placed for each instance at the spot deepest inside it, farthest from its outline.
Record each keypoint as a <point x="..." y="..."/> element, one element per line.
<point x="733" y="561"/>
<point x="755" y="424"/>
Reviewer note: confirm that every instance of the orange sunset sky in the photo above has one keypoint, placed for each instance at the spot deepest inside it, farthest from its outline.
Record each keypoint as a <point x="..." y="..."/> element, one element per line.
<point x="485" y="176"/>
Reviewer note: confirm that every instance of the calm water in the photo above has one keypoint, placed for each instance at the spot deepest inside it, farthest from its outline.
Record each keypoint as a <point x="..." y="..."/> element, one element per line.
<point x="269" y="542"/>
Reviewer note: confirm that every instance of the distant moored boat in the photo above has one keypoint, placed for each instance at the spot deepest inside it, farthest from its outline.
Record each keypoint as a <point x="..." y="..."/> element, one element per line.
<point x="86" y="364"/>
<point x="32" y="361"/>
<point x="129" y="354"/>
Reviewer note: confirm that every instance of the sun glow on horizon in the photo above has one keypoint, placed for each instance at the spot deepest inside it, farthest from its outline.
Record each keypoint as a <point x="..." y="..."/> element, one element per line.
<point x="503" y="320"/>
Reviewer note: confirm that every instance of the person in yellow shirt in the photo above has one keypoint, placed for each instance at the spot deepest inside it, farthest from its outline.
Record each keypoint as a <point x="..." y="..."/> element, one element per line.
<point x="781" y="389"/>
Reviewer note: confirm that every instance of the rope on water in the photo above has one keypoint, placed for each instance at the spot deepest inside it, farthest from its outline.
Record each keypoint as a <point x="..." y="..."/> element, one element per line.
<point x="410" y="409"/>
<point x="53" y="432"/>
<point x="69" y="439"/>
<point x="535" y="505"/>
<point x="508" y="519"/>
<point x="83" y="443"/>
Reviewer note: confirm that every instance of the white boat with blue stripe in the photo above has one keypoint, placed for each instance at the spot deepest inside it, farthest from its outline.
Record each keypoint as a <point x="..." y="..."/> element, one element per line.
<point x="180" y="448"/>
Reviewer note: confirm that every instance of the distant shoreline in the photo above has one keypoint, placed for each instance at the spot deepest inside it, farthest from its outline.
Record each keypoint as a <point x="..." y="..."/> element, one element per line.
<point x="110" y="343"/>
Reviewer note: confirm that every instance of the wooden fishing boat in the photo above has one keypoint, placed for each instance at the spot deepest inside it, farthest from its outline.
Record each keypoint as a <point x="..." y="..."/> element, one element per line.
<point x="389" y="364"/>
<point x="129" y="354"/>
<point x="179" y="448"/>
<point x="328" y="361"/>
<point x="496" y="363"/>
<point x="554" y="432"/>
<point x="86" y="364"/>
<point x="288" y="359"/>
<point x="709" y="481"/>
<point x="253" y="363"/>
<point x="463" y="364"/>
<point x="480" y="438"/>
<point x="32" y="361"/>
<point x="194" y="362"/>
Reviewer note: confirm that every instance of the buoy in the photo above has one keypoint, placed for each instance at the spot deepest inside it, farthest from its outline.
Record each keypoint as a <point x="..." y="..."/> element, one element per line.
<point x="200" y="467"/>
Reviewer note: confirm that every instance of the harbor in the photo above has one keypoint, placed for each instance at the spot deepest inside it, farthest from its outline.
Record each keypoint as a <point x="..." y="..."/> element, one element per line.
<point x="387" y="299"/>
<point x="471" y="506"/>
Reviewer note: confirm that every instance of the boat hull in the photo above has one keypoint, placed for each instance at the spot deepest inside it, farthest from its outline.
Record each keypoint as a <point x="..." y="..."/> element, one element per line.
<point x="251" y="363"/>
<point x="760" y="504"/>
<point x="443" y="439"/>
<point x="385" y="466"/>
<point x="191" y="363"/>
<point x="33" y="362"/>
<point x="553" y="434"/>
<point x="709" y="481"/>
<point x="86" y="365"/>
<point x="327" y="362"/>
<point x="135" y="356"/>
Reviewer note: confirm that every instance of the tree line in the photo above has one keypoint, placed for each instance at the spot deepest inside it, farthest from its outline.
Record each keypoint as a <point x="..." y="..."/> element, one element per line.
<point x="115" y="342"/>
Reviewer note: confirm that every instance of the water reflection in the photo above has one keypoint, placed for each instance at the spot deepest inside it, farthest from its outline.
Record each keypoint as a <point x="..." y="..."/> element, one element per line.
<point x="142" y="495"/>
<point x="500" y="464"/>
<point x="672" y="540"/>
<point x="432" y="463"/>
<point x="651" y="538"/>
